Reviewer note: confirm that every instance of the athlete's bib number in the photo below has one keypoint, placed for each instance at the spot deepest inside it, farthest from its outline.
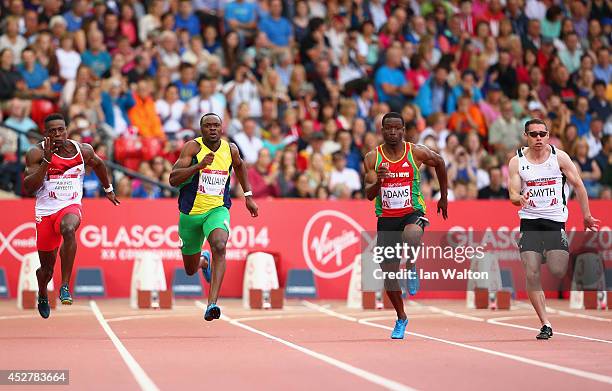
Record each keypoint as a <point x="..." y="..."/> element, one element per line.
<point x="212" y="182"/>
<point x="396" y="197"/>
<point x="64" y="188"/>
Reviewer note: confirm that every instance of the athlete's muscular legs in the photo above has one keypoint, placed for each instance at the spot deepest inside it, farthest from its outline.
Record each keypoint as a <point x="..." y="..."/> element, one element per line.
<point x="44" y="274"/>
<point x="218" y="241"/>
<point x="68" y="226"/>
<point x="557" y="261"/>
<point x="531" y="262"/>
<point x="412" y="236"/>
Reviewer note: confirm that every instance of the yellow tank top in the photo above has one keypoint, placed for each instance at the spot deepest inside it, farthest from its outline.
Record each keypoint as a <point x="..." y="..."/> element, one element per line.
<point x="208" y="189"/>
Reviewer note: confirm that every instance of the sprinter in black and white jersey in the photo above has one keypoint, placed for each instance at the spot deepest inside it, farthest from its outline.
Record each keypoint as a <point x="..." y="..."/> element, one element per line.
<point x="537" y="183"/>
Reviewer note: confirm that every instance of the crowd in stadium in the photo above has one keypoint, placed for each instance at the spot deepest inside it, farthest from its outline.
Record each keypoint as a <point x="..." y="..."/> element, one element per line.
<point x="301" y="86"/>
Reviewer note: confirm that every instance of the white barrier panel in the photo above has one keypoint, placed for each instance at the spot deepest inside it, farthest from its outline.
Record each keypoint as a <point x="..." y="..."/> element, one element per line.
<point x="259" y="273"/>
<point x="147" y="275"/>
<point x="588" y="274"/>
<point x="27" y="276"/>
<point x="489" y="264"/>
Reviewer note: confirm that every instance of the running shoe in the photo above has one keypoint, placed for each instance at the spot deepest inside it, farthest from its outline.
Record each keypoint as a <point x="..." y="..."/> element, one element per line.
<point x="206" y="271"/>
<point x="64" y="295"/>
<point x="413" y="283"/>
<point x="212" y="312"/>
<point x="545" y="332"/>
<point x="43" y="307"/>
<point x="399" y="329"/>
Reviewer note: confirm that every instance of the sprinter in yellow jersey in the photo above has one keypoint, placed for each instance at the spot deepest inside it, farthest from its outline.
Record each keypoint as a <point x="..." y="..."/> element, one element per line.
<point x="202" y="173"/>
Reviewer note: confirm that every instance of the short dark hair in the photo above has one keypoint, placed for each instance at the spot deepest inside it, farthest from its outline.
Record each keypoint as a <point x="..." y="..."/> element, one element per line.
<point x="535" y="121"/>
<point x="599" y="82"/>
<point x="392" y="114"/>
<point x="207" y="115"/>
<point x="54" y="117"/>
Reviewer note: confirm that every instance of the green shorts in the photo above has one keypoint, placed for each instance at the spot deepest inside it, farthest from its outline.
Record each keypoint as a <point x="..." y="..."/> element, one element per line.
<point x="193" y="229"/>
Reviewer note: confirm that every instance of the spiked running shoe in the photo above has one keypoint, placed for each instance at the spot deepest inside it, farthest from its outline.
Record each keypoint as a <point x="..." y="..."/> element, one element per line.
<point x="413" y="281"/>
<point x="545" y="332"/>
<point x="64" y="295"/>
<point x="206" y="270"/>
<point x="399" y="329"/>
<point x="212" y="312"/>
<point x="43" y="307"/>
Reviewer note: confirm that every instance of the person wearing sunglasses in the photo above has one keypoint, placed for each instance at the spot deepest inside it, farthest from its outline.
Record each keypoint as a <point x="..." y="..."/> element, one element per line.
<point x="537" y="183"/>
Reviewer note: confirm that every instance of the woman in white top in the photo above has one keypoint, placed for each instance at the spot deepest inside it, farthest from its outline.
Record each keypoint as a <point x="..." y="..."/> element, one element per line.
<point x="170" y="111"/>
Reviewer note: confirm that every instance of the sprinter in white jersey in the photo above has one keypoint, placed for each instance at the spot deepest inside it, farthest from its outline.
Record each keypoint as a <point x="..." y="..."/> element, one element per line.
<point x="537" y="183"/>
<point x="54" y="171"/>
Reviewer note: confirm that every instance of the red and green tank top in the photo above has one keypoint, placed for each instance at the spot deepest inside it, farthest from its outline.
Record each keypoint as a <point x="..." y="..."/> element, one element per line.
<point x="400" y="193"/>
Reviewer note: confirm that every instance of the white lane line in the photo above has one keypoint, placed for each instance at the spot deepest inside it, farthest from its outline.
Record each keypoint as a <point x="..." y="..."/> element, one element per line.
<point x="361" y="373"/>
<point x="552" y="310"/>
<point x="151" y="316"/>
<point x="496" y="321"/>
<point x="500" y="322"/>
<point x="559" y="368"/>
<point x="143" y="380"/>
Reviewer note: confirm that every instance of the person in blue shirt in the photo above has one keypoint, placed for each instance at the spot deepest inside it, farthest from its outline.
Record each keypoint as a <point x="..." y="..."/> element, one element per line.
<point x="74" y="17"/>
<point x="186" y="85"/>
<point x="466" y="87"/>
<point x="35" y="75"/>
<point x="96" y="57"/>
<point x="277" y="28"/>
<point x="434" y="93"/>
<point x="241" y="16"/>
<point x="390" y="82"/>
<point x="187" y="19"/>
<point x="581" y="118"/>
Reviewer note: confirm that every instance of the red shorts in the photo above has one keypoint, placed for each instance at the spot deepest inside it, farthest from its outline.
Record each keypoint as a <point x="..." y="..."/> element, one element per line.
<point x="48" y="235"/>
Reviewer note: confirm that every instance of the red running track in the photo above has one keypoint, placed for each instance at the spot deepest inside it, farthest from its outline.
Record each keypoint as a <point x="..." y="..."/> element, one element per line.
<point x="306" y="346"/>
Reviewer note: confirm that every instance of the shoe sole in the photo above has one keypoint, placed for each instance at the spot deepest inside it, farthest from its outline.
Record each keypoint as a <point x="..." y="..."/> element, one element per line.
<point x="543" y="338"/>
<point x="214" y="313"/>
<point x="42" y="315"/>
<point x="67" y="302"/>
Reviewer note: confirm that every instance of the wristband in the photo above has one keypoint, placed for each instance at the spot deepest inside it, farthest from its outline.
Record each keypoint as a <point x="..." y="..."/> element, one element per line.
<point x="109" y="189"/>
<point x="248" y="194"/>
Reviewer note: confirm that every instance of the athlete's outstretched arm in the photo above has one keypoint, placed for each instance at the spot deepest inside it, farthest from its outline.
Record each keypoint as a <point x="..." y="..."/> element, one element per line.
<point x="92" y="160"/>
<point x="37" y="164"/>
<point x="243" y="178"/>
<point x="373" y="177"/>
<point x="571" y="173"/>
<point x="183" y="169"/>
<point x="430" y="158"/>
<point x="514" y="184"/>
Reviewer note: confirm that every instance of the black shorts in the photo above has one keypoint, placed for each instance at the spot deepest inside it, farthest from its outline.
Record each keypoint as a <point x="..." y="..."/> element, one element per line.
<point x="540" y="235"/>
<point x="389" y="229"/>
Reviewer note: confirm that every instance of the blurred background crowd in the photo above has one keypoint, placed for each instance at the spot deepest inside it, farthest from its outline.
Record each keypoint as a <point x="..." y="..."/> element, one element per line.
<point x="301" y="86"/>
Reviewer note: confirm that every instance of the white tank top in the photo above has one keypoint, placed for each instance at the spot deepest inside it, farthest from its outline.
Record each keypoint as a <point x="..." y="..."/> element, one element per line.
<point x="547" y="188"/>
<point x="63" y="184"/>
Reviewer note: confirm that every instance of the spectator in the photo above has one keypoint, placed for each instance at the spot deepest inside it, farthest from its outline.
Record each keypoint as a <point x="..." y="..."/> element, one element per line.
<point x="241" y="16"/>
<point x="341" y="175"/>
<point x="263" y="180"/>
<point x="275" y="141"/>
<point x="187" y="19"/>
<point x="599" y="106"/>
<point x="603" y="68"/>
<point x="301" y="188"/>
<point x="244" y="88"/>
<point x="68" y="59"/>
<point x="152" y="20"/>
<point x="490" y="106"/>
<point x="468" y="117"/>
<point x="467" y="87"/>
<point x="186" y="85"/>
<point x="143" y="114"/>
<point x="35" y="75"/>
<point x="571" y="54"/>
<point x="170" y="111"/>
<point x="581" y="117"/>
<point x="593" y="138"/>
<point x="587" y="168"/>
<point x="116" y="103"/>
<point x="12" y="40"/>
<point x="317" y="172"/>
<point x="390" y="82"/>
<point x="142" y="68"/>
<point x="494" y="190"/>
<point x="96" y="57"/>
<point x="247" y="141"/>
<point x="436" y="128"/>
<point x="19" y="121"/>
<point x="434" y="93"/>
<point x="207" y="101"/>
<point x="505" y="134"/>
<point x="276" y="27"/>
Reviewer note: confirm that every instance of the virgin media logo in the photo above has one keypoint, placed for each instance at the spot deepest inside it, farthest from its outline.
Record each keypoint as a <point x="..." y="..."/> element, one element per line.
<point x="20" y="241"/>
<point x="330" y="243"/>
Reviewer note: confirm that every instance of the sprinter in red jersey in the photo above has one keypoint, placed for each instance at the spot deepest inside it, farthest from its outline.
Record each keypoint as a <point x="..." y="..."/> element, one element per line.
<point x="54" y="171"/>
